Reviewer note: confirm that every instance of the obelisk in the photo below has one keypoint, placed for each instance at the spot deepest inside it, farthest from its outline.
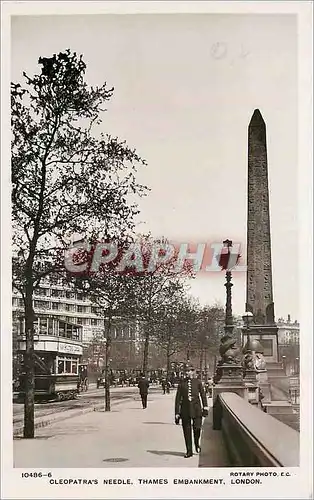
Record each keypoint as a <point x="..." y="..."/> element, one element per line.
<point x="259" y="288"/>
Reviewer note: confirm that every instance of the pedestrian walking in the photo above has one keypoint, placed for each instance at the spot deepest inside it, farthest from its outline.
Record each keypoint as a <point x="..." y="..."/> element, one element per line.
<point x="143" y="386"/>
<point x="163" y="385"/>
<point x="190" y="410"/>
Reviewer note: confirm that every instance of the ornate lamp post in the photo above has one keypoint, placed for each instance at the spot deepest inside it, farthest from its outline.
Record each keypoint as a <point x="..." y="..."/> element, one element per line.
<point x="229" y="364"/>
<point x="225" y="263"/>
<point x="229" y="373"/>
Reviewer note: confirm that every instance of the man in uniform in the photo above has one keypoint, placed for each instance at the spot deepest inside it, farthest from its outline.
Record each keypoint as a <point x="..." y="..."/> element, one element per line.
<point x="190" y="410"/>
<point x="143" y="385"/>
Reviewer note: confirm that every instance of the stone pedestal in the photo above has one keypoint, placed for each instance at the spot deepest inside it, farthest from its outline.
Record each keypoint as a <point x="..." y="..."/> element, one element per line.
<point x="231" y="380"/>
<point x="231" y="374"/>
<point x="264" y="386"/>
<point x="267" y="335"/>
<point x="251" y="379"/>
<point x="252" y="392"/>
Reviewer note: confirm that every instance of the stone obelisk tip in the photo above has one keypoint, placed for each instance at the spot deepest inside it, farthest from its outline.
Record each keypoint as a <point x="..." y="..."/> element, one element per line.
<point x="257" y="118"/>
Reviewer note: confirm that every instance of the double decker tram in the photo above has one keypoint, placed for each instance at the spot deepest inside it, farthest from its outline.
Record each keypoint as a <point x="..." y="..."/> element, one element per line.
<point x="58" y="350"/>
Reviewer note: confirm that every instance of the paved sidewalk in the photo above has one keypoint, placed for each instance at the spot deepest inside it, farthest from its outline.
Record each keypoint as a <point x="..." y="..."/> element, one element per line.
<point x="128" y="436"/>
<point x="45" y="414"/>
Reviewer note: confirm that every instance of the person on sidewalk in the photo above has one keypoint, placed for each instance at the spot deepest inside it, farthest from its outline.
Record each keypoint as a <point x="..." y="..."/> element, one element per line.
<point x="143" y="386"/>
<point x="189" y="409"/>
<point x="163" y="385"/>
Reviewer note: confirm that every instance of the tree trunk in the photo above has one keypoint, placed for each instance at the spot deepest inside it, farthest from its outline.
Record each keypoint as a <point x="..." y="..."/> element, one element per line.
<point x="168" y="354"/>
<point x="147" y="330"/>
<point x="201" y="362"/>
<point x="107" y="382"/>
<point x="146" y="350"/>
<point x="29" y="428"/>
<point x="205" y="363"/>
<point x="107" y="357"/>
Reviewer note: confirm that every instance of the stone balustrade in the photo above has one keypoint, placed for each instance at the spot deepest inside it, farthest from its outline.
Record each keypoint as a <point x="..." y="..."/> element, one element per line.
<point x="254" y="438"/>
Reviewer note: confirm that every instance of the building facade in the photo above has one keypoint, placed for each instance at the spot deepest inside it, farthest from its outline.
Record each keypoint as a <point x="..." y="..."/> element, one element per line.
<point x="61" y="302"/>
<point x="288" y="331"/>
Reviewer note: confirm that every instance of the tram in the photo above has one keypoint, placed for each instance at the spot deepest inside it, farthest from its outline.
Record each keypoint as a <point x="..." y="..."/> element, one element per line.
<point x="58" y="350"/>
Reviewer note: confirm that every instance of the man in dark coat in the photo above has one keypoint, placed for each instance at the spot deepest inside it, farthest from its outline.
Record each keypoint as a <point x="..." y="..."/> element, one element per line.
<point x="143" y="386"/>
<point x="190" y="409"/>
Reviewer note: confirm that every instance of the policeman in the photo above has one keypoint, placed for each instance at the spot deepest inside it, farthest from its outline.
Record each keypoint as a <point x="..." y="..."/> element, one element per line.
<point x="189" y="409"/>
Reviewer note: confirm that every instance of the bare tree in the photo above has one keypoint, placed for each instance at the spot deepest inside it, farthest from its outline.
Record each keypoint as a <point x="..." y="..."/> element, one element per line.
<point x="168" y="334"/>
<point x="159" y="274"/>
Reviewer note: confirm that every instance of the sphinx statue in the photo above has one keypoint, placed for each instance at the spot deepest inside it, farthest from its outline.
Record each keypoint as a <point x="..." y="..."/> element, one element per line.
<point x="253" y="358"/>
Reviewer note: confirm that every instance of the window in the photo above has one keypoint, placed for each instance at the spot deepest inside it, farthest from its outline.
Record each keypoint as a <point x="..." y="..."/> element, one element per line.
<point x="55" y="306"/>
<point x="61" y="329"/>
<point x="79" y="296"/>
<point x="67" y="364"/>
<point x="69" y="331"/>
<point x="43" y="326"/>
<point x="79" y="309"/>
<point x="41" y="304"/>
<point x="75" y="333"/>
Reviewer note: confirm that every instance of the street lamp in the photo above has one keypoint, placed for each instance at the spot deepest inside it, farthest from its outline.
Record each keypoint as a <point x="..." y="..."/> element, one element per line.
<point x="284" y="363"/>
<point x="228" y="366"/>
<point x="224" y="262"/>
<point x="296" y="370"/>
<point x="247" y="318"/>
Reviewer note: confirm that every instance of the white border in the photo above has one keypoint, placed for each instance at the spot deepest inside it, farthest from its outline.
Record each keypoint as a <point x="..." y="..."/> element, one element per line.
<point x="299" y="485"/>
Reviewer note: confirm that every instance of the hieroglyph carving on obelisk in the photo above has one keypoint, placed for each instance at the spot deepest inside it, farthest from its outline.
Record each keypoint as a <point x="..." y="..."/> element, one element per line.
<point x="259" y="289"/>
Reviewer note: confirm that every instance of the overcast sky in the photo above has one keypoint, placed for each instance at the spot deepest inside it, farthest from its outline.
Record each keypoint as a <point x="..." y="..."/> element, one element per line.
<point x="185" y="89"/>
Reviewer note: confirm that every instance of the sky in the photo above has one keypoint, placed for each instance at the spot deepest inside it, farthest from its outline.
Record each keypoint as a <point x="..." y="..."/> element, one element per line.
<point x="186" y="86"/>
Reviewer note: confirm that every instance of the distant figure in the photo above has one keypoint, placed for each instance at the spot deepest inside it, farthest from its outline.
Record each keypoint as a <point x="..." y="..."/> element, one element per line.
<point x="143" y="386"/>
<point x="188" y="408"/>
<point x="163" y="385"/>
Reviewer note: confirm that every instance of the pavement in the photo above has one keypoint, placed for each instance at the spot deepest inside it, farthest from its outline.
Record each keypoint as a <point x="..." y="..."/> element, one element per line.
<point x="127" y="436"/>
<point x="47" y="413"/>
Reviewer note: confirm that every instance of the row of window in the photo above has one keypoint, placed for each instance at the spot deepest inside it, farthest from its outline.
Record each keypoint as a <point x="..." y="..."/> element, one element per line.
<point x="50" y="326"/>
<point x="67" y="294"/>
<point x="57" y="306"/>
<point x="65" y="326"/>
